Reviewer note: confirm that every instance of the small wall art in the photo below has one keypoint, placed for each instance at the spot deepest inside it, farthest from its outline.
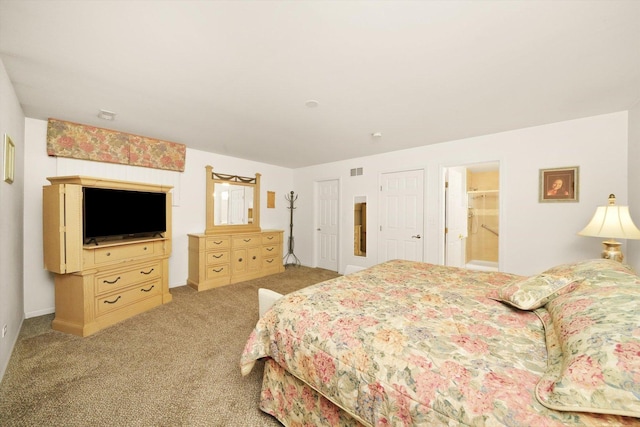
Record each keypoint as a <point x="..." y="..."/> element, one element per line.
<point x="559" y="184"/>
<point x="9" y="159"/>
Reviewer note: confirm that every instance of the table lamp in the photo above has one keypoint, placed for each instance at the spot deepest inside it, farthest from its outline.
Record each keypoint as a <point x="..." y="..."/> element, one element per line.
<point x="611" y="222"/>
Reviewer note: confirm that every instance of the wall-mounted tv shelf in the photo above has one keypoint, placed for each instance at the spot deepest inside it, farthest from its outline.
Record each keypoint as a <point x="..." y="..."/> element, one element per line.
<point x="99" y="285"/>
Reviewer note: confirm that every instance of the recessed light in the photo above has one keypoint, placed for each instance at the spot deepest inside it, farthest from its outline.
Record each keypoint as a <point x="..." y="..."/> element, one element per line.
<point x="311" y="103"/>
<point x="376" y="135"/>
<point x="107" y="115"/>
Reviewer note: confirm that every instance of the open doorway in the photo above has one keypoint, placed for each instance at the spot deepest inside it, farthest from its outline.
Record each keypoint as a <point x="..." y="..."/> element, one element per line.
<point x="472" y="216"/>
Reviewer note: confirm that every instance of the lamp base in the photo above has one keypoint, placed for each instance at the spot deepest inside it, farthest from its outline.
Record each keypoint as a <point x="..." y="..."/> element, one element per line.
<point x="612" y="250"/>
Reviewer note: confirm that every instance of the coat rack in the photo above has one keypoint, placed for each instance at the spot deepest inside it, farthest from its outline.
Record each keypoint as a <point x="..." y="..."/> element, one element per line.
<point x="290" y="258"/>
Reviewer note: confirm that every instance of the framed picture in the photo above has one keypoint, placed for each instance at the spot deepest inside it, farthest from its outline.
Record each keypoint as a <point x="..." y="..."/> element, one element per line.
<point x="559" y="184"/>
<point x="9" y="159"/>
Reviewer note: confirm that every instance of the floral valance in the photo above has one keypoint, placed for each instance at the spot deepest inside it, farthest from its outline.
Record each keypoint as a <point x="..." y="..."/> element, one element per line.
<point x="67" y="139"/>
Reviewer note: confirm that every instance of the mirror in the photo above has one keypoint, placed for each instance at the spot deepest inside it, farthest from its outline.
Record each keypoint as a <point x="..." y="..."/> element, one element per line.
<point x="360" y="226"/>
<point x="232" y="203"/>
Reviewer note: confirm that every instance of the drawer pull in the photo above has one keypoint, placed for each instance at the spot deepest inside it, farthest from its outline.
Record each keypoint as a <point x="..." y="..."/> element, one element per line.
<point x="270" y="237"/>
<point x="114" y="301"/>
<point x="108" y="253"/>
<point x="111" y="283"/>
<point x="218" y="271"/>
<point x="147" y="290"/>
<point x="254" y="257"/>
<point x="218" y="242"/>
<point x="246" y="240"/>
<point x="147" y="272"/>
<point x="269" y="249"/>
<point x="218" y="256"/>
<point x="269" y="261"/>
<point x="145" y="248"/>
<point x="240" y="260"/>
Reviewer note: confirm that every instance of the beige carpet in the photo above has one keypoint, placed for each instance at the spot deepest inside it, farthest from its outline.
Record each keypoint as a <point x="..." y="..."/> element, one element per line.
<point x="175" y="365"/>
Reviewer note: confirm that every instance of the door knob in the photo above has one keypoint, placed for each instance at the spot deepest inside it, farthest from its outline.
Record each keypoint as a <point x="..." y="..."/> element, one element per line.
<point x="416" y="237"/>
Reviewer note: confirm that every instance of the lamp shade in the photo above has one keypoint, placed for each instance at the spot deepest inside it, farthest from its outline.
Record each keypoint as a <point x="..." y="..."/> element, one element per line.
<point x="611" y="221"/>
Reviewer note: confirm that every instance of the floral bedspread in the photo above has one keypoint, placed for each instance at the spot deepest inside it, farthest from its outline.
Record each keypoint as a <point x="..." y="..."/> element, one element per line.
<point x="406" y="343"/>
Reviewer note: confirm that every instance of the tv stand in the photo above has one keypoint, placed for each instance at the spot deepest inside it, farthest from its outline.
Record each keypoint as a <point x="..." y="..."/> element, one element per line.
<point x="98" y="285"/>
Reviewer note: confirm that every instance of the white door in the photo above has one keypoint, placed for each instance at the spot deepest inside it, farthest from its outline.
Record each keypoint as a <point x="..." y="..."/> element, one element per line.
<point x="456" y="216"/>
<point x="327" y="228"/>
<point x="401" y="216"/>
<point x="236" y="206"/>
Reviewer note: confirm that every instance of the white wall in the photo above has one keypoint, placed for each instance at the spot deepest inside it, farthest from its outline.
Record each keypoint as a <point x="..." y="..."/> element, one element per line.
<point x="533" y="235"/>
<point x="11" y="230"/>
<point x="188" y="216"/>
<point x="633" y="253"/>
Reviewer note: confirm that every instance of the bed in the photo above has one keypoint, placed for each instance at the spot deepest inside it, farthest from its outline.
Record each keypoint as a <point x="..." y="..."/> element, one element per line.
<point x="408" y="343"/>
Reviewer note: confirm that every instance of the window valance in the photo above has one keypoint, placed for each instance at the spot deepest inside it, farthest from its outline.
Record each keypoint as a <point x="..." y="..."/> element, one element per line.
<point x="67" y="139"/>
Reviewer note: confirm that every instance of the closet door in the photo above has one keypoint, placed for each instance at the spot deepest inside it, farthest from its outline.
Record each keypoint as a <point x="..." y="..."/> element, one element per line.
<point x="401" y="216"/>
<point x="327" y="226"/>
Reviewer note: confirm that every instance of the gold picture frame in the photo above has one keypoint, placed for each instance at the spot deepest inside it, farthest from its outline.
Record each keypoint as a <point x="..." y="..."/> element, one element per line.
<point x="559" y="184"/>
<point x="271" y="199"/>
<point x="9" y="159"/>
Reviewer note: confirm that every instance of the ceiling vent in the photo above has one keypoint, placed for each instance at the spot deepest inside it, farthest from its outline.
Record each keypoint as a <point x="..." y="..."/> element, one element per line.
<point x="356" y="171"/>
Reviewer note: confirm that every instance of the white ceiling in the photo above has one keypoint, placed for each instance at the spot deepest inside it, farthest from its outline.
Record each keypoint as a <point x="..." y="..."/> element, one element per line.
<point x="232" y="77"/>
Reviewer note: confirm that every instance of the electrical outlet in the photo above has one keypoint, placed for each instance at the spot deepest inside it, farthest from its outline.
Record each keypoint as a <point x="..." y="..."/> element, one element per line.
<point x="4" y="330"/>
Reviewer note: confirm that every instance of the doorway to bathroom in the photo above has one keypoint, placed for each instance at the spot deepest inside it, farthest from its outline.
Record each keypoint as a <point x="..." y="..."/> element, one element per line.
<point x="472" y="216"/>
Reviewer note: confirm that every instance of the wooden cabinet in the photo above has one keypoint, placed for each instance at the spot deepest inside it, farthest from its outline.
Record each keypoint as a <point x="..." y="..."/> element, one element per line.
<point x="98" y="285"/>
<point x="218" y="260"/>
<point x="233" y="247"/>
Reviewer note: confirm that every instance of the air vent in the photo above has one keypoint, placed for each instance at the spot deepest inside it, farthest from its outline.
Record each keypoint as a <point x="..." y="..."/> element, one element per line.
<point x="356" y="172"/>
<point x="107" y="115"/>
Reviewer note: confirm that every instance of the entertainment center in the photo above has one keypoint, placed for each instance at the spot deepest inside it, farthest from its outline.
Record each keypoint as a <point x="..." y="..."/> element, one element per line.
<point x="108" y="244"/>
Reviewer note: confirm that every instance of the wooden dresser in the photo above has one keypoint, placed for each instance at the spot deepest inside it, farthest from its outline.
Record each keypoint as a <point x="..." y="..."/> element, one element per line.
<point x="99" y="285"/>
<point x="221" y="259"/>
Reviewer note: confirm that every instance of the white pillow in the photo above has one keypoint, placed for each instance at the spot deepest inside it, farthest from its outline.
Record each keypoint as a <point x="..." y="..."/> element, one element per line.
<point x="266" y="298"/>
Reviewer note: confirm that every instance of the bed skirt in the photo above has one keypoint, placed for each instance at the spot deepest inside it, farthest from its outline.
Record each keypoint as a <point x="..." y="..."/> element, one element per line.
<point x="294" y="403"/>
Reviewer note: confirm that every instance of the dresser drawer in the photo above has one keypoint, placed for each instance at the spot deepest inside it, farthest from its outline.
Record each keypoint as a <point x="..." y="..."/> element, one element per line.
<point x="218" y="271"/>
<point x="217" y="243"/>
<point x="125" y="277"/>
<point x="271" y="250"/>
<point x="117" y="253"/>
<point x="270" y="238"/>
<point x="271" y="263"/>
<point x="221" y="257"/>
<point x="246" y="241"/>
<point x="118" y="300"/>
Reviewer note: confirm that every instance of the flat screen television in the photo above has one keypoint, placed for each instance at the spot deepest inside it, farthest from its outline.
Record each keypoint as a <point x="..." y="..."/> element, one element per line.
<point x="109" y="213"/>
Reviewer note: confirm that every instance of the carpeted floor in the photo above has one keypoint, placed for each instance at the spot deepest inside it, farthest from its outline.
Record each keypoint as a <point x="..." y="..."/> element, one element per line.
<point x="175" y="365"/>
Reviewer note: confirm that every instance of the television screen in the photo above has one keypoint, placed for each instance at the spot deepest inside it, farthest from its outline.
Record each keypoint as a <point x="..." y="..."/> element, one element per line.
<point x="109" y="213"/>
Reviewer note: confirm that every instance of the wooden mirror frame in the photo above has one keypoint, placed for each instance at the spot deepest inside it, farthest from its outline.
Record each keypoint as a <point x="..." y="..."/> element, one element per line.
<point x="218" y="178"/>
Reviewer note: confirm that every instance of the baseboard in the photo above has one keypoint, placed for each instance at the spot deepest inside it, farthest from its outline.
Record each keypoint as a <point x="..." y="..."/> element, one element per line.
<point x="5" y="363"/>
<point x="352" y="269"/>
<point x="38" y="313"/>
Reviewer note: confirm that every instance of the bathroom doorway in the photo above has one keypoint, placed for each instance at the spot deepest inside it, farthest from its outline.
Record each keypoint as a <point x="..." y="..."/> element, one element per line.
<point x="472" y="216"/>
